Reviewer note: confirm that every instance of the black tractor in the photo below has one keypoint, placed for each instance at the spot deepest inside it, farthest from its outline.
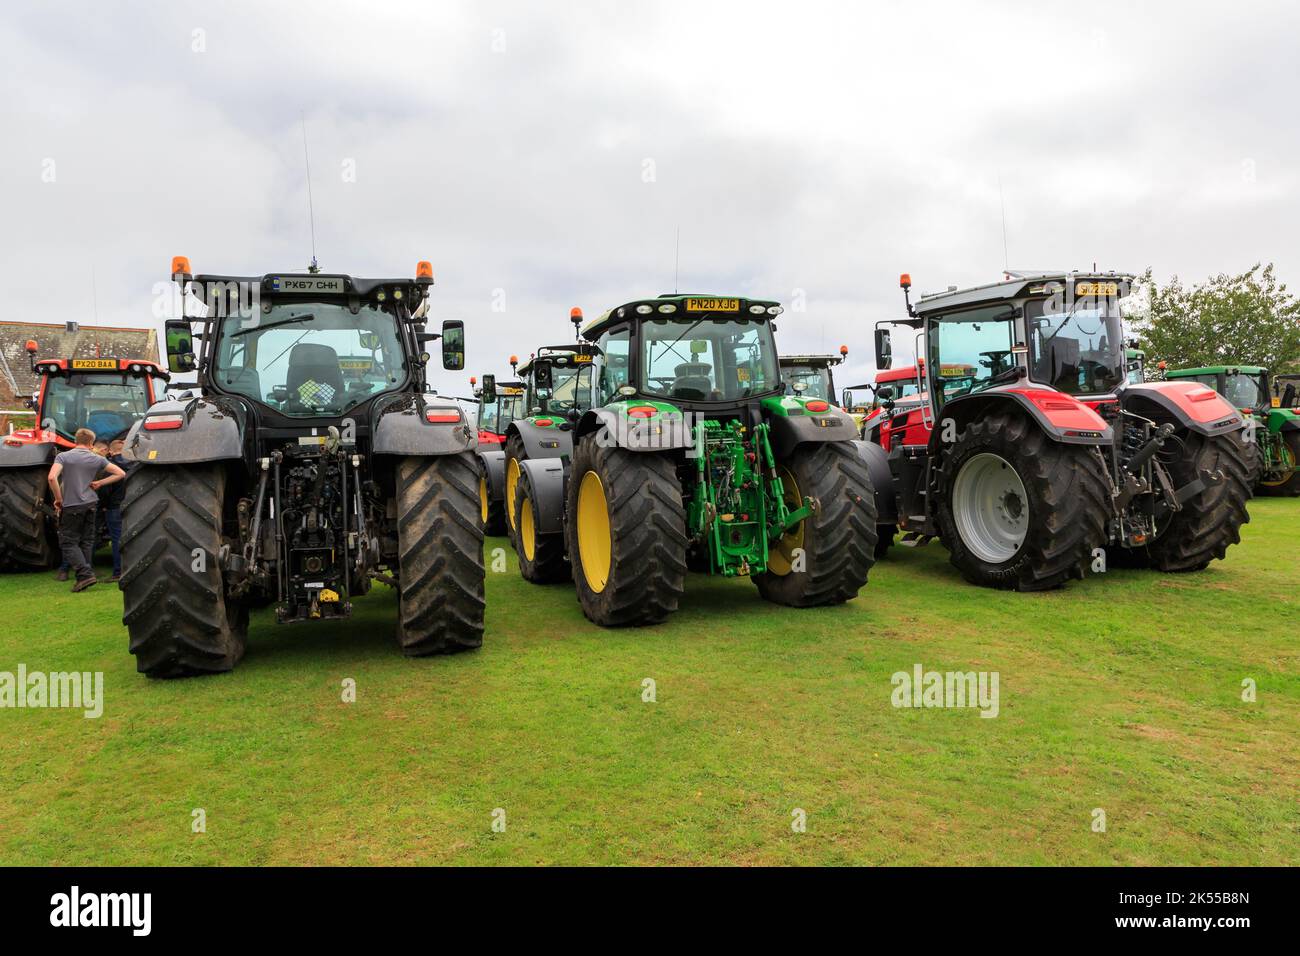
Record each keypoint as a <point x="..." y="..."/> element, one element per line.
<point x="315" y="461"/>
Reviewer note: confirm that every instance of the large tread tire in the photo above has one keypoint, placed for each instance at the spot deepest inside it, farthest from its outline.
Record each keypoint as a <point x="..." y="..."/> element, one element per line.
<point x="541" y="556"/>
<point x="492" y="512"/>
<point x="1289" y="488"/>
<point x="1069" y="501"/>
<point x="1211" y="522"/>
<point x="180" y="621"/>
<point x="27" y="538"/>
<point x="647" y="535"/>
<point x="440" y="555"/>
<point x="515" y="453"/>
<point x="838" y="540"/>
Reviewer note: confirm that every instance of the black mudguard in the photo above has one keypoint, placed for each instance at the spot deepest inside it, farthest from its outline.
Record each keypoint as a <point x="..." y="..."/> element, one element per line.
<point x="789" y="432"/>
<point x="882" y="481"/>
<point x="546" y="478"/>
<point x="213" y="431"/>
<point x="1147" y="398"/>
<point x="967" y="407"/>
<point x="27" y="456"/>
<point x="541" y="442"/>
<point x="400" y="429"/>
<point x="652" y="434"/>
<point x="494" y="467"/>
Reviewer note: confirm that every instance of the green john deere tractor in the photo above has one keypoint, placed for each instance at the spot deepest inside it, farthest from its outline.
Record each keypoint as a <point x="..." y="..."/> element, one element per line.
<point x="1275" y="432"/>
<point x="557" y="383"/>
<point x="691" y="455"/>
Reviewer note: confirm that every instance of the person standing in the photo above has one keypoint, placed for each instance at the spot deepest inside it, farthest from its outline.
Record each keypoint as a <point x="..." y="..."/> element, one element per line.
<point x="110" y="499"/>
<point x="75" y="486"/>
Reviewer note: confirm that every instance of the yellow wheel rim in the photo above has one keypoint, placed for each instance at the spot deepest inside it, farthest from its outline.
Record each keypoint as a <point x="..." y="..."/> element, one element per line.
<point x="780" y="559"/>
<point x="526" y="532"/>
<point x="512" y="479"/>
<point x="483" y="498"/>
<point x="594" y="541"/>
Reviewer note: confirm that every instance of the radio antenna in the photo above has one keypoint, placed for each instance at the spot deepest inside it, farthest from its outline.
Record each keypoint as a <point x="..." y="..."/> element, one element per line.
<point x="1006" y="258"/>
<point x="677" y="259"/>
<point x="311" y="209"/>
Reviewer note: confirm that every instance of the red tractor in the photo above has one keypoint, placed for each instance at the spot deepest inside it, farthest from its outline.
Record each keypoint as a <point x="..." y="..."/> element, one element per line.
<point x="106" y="395"/>
<point x="1041" y="458"/>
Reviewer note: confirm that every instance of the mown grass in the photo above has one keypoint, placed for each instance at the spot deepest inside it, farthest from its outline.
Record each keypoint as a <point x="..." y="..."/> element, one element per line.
<point x="1122" y="693"/>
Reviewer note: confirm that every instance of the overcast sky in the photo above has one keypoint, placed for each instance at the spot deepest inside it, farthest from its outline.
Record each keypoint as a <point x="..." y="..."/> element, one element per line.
<point x="544" y="155"/>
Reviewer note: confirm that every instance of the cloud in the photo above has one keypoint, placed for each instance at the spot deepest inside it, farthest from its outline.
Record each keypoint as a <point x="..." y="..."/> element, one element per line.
<point x="555" y="151"/>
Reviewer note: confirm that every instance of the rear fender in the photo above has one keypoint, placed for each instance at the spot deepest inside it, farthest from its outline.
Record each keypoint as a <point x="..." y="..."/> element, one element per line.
<point x="1191" y="405"/>
<point x="882" y="481"/>
<point x="494" y="468"/>
<point x="1063" y="418"/>
<point x="27" y="454"/>
<point x="401" y="429"/>
<point x="213" y="430"/>
<point x="546" y="479"/>
<point x="539" y="442"/>
<point x="661" y="433"/>
<point x="788" y="432"/>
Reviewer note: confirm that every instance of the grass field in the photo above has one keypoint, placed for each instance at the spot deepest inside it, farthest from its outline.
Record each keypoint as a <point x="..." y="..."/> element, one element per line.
<point x="1122" y="693"/>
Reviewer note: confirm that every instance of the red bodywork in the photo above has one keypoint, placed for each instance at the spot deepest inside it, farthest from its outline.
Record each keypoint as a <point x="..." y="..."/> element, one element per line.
<point x="37" y="435"/>
<point x="908" y="426"/>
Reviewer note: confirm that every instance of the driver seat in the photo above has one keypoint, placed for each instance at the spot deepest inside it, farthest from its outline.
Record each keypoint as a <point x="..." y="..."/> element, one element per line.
<point x="692" y="378"/>
<point x="314" y="379"/>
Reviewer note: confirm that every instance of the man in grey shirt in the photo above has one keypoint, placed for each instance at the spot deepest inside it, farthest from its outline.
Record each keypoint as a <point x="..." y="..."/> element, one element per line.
<point x="75" y="499"/>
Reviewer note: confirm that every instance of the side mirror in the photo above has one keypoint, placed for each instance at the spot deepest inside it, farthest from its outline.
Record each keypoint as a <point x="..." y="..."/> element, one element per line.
<point x="489" y="390"/>
<point x="29" y="402"/>
<point x="453" y="344"/>
<point x="542" y="375"/>
<point x="884" y="353"/>
<point x="180" y="345"/>
<point x="885" y="393"/>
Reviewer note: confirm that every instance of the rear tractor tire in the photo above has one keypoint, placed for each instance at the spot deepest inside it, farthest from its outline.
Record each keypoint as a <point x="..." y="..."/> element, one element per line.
<point x="514" y="455"/>
<point x="179" y="619"/>
<point x="1018" y="510"/>
<point x="541" y="556"/>
<point x="440" y="555"/>
<point x="826" y="558"/>
<point x="28" y="541"/>
<point x="1209" y="523"/>
<point x="626" y="532"/>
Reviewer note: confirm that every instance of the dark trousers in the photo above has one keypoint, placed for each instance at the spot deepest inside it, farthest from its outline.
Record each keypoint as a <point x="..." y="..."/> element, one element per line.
<point x="113" y="517"/>
<point x="77" y="539"/>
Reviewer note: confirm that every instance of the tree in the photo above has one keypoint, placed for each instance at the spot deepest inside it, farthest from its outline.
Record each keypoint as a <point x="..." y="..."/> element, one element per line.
<point x="1247" y="319"/>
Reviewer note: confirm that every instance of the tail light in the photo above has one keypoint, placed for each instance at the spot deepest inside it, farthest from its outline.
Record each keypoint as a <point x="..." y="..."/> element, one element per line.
<point x="642" y="411"/>
<point x="160" y="423"/>
<point x="544" y="422"/>
<point x="441" y="416"/>
<point x="817" y="405"/>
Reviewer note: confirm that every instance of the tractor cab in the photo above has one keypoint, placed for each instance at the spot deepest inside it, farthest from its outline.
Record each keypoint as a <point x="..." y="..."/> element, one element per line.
<point x="499" y="403"/>
<point x="106" y="395"/>
<point x="1135" y="364"/>
<point x="557" y="382"/>
<point x="699" y="353"/>
<point x="812" y="376"/>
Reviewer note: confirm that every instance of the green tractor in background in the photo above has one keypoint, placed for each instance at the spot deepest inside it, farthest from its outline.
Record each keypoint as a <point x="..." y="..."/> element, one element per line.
<point x="692" y="456"/>
<point x="1275" y="433"/>
<point x="557" y="393"/>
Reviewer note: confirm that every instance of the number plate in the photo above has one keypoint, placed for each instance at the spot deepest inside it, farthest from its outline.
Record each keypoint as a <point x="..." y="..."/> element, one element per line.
<point x="712" y="305"/>
<point x="95" y="363"/>
<point x="1097" y="288"/>
<point x="309" y="284"/>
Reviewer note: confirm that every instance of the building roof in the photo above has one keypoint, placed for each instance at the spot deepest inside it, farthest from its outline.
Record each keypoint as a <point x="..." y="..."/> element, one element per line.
<point x="54" y="341"/>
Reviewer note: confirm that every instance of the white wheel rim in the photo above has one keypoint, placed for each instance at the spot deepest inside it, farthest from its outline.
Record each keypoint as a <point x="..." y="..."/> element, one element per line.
<point x="991" y="508"/>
